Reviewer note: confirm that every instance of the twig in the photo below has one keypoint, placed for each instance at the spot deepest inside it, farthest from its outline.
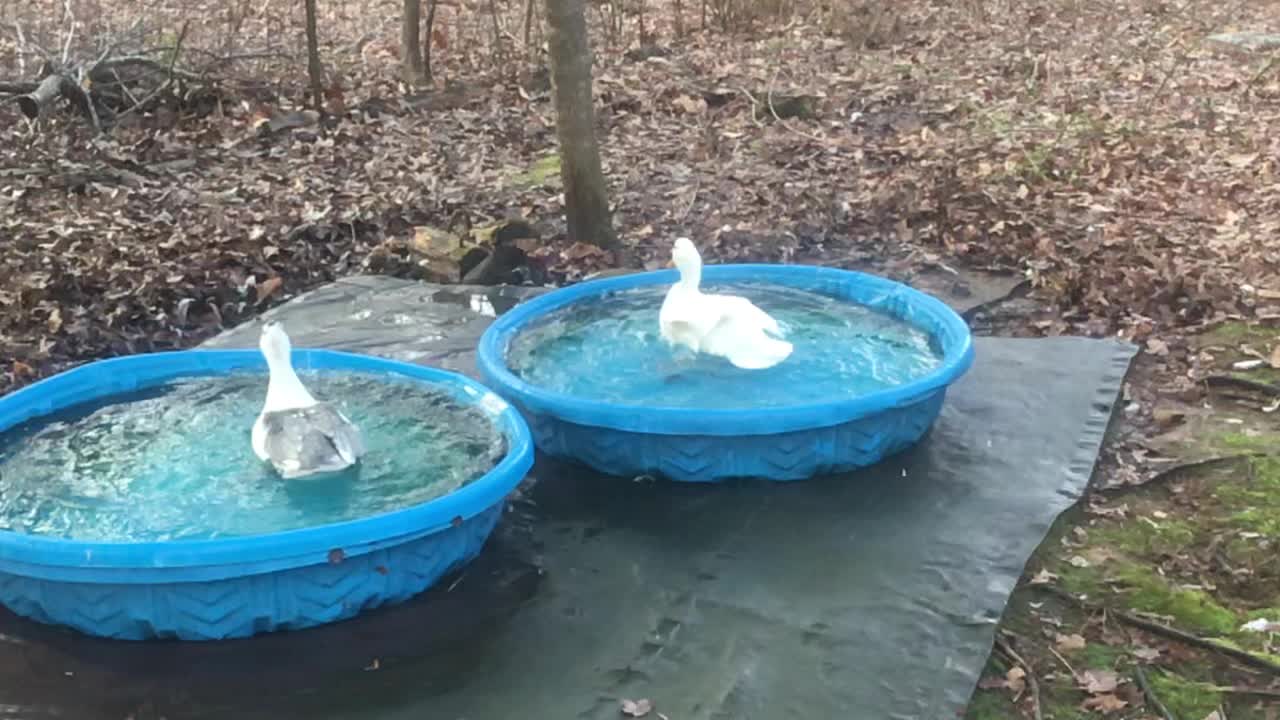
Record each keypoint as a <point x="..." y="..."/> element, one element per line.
<point x="1065" y="664"/>
<point x="1242" y="690"/>
<point x="784" y="123"/>
<point x="1242" y="656"/>
<point x="22" y="57"/>
<point x="1031" y="676"/>
<point x="697" y="185"/>
<point x="177" y="48"/>
<point x="1150" y="694"/>
<point x="754" y="102"/>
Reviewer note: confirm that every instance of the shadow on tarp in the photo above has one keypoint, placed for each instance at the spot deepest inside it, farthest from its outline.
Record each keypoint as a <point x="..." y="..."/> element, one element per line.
<point x="869" y="595"/>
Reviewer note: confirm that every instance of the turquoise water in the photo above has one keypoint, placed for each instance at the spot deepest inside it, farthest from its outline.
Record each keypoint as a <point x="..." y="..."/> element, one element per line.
<point x="610" y="350"/>
<point x="176" y="463"/>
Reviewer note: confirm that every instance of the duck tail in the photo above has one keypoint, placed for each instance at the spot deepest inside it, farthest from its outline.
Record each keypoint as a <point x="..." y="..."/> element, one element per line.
<point x="764" y="353"/>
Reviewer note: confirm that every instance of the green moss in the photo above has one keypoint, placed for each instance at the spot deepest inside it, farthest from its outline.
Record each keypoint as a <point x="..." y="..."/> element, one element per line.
<point x="1144" y="537"/>
<point x="543" y="171"/>
<point x="1184" y="698"/>
<point x="1082" y="581"/>
<point x="989" y="705"/>
<point x="1097" y="656"/>
<point x="1237" y="333"/>
<point x="1254" y="505"/>
<point x="1190" y="609"/>
<point x="1262" y="442"/>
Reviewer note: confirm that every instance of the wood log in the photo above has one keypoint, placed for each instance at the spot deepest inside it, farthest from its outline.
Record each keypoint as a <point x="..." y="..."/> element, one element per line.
<point x="49" y="89"/>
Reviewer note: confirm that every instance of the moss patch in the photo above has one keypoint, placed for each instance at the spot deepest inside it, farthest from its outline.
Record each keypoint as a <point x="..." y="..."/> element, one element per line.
<point x="1185" y="698"/>
<point x="1254" y="504"/>
<point x="544" y="171"/>
<point x="1190" y="609"/>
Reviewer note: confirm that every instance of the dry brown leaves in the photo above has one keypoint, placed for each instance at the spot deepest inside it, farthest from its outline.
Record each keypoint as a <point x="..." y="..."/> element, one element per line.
<point x="1129" y="174"/>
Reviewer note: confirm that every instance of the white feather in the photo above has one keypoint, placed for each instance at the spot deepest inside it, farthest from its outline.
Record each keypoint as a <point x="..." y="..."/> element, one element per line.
<point x="727" y="326"/>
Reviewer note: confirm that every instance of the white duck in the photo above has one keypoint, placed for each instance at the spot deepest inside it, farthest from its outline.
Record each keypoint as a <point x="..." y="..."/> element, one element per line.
<point x="296" y="433"/>
<point x="728" y="326"/>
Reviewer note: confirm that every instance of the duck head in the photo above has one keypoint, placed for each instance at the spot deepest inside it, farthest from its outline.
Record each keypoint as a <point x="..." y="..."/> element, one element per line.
<point x="686" y="258"/>
<point x="274" y="342"/>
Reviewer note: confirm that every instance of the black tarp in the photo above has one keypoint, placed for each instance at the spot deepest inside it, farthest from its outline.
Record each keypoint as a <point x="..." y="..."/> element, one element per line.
<point x="869" y="595"/>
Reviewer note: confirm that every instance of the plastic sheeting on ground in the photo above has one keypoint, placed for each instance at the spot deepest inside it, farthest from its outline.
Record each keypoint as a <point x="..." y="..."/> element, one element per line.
<point x="869" y="595"/>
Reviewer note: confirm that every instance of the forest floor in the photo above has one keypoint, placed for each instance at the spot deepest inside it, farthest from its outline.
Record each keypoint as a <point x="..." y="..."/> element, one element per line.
<point x="1109" y="160"/>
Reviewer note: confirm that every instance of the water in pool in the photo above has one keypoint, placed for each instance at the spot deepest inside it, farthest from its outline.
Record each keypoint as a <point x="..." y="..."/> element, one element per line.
<point x="175" y="462"/>
<point x="611" y="351"/>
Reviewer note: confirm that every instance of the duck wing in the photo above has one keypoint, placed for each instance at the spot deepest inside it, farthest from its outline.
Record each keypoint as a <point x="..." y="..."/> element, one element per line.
<point x="315" y="439"/>
<point x="743" y="334"/>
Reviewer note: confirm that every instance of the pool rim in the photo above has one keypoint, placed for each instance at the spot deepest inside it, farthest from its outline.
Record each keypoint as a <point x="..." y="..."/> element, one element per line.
<point x="667" y="420"/>
<point x="207" y="559"/>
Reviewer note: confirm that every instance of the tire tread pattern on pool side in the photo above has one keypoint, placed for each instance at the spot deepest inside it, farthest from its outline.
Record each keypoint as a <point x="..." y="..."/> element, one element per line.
<point x="794" y="455"/>
<point x="243" y="606"/>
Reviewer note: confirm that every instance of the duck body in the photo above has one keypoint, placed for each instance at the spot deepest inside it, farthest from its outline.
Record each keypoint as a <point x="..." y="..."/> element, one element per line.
<point x="726" y="326"/>
<point x="297" y="434"/>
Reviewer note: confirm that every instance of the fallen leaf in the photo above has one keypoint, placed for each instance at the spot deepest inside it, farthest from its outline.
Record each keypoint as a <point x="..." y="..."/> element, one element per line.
<point x="1097" y="682"/>
<point x="1077" y="561"/>
<point x="1070" y="642"/>
<point x="1016" y="680"/>
<point x="269" y="288"/>
<point x="636" y="708"/>
<point x="1146" y="653"/>
<point x="1105" y="703"/>
<point x="1044" y="577"/>
<point x="1274" y="360"/>
<point x="55" y="320"/>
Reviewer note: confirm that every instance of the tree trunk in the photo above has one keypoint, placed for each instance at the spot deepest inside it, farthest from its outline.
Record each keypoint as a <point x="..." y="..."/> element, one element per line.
<point x="313" y="58"/>
<point x="585" y="202"/>
<point x="430" y="42"/>
<point x="410" y="43"/>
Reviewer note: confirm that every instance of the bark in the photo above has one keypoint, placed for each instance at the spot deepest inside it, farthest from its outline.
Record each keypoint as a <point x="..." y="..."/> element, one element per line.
<point x="313" y="58"/>
<point x="585" y="200"/>
<point x="411" y="43"/>
<point x="430" y="42"/>
<point x="46" y="92"/>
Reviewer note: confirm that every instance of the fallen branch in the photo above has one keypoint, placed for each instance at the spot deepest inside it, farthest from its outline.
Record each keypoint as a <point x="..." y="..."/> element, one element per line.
<point x="1229" y="382"/>
<point x="1149" y="693"/>
<point x="1243" y="656"/>
<point x="1004" y="647"/>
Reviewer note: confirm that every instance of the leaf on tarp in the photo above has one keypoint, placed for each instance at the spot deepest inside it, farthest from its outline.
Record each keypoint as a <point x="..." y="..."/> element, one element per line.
<point x="637" y="708"/>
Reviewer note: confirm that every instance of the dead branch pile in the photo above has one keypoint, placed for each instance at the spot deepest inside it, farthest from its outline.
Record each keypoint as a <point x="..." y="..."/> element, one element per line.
<point x="105" y="80"/>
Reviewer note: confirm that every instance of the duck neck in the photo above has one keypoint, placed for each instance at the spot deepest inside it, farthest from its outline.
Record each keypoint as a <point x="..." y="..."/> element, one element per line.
<point x="285" y="390"/>
<point x="691" y="274"/>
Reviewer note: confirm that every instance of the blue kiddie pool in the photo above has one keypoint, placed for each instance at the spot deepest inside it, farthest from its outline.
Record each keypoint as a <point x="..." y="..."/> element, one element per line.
<point x="870" y="368"/>
<point x="234" y="580"/>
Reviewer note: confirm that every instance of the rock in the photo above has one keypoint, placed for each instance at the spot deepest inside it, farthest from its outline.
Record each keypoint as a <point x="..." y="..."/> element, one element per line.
<point x="1248" y="40"/>
<point x="803" y="107"/>
<point x="436" y="243"/>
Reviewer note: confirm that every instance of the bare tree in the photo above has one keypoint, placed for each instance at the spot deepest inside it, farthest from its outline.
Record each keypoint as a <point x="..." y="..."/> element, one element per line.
<point x="410" y="43"/>
<point x="313" y="58"/>
<point x="430" y="41"/>
<point x="585" y="200"/>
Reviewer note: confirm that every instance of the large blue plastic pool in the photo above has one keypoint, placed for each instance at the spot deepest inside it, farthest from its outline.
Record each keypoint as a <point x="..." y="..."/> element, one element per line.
<point x="241" y="586"/>
<point x="703" y="444"/>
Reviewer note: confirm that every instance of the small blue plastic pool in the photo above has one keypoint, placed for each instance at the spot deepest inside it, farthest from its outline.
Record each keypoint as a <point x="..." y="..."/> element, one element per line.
<point x="867" y="378"/>
<point x="298" y="557"/>
<point x="612" y="352"/>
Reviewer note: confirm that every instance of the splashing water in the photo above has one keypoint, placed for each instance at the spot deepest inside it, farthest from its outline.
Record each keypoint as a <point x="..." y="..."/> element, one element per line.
<point x="175" y="462"/>
<point x="610" y="350"/>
